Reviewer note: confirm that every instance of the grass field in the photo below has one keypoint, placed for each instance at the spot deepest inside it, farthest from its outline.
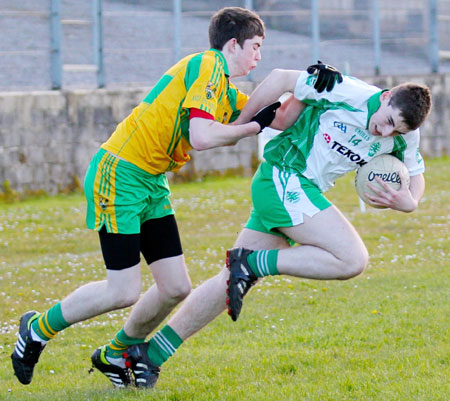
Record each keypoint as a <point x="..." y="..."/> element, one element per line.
<point x="384" y="335"/>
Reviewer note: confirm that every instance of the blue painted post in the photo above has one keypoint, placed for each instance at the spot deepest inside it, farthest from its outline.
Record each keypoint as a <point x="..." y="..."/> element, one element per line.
<point x="55" y="44"/>
<point x="434" y="37"/>
<point x="376" y="36"/>
<point x="98" y="41"/>
<point x="315" y="29"/>
<point x="176" y="30"/>
<point x="249" y="4"/>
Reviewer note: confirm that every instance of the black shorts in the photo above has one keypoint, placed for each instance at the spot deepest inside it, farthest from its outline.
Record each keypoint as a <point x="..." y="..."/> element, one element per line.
<point x="158" y="239"/>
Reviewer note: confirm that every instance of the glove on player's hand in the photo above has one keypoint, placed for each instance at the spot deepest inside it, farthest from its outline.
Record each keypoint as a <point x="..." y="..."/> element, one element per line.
<point x="265" y="116"/>
<point x="327" y="76"/>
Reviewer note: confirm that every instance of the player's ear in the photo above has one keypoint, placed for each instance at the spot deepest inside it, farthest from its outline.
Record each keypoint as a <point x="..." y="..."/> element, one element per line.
<point x="231" y="45"/>
<point x="386" y="95"/>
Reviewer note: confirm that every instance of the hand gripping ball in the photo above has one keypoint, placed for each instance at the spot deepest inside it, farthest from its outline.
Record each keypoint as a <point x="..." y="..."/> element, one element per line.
<point x="387" y="167"/>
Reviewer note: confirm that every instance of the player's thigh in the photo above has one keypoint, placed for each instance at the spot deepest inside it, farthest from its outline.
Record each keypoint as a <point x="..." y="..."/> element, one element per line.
<point x="171" y="276"/>
<point x="329" y="230"/>
<point x="131" y="276"/>
<point x="160" y="239"/>
<point x="161" y="247"/>
<point x="120" y="251"/>
<point x="252" y="239"/>
<point x="122" y="260"/>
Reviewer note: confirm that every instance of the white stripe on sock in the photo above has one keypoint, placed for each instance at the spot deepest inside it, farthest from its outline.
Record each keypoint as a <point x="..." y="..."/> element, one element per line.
<point x="164" y="343"/>
<point x="262" y="263"/>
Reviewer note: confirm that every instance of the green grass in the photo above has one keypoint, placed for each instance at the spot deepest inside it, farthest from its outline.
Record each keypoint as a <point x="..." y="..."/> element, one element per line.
<point x="384" y="335"/>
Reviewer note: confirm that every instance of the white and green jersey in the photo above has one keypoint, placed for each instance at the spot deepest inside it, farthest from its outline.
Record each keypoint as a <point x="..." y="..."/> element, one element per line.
<point x="331" y="136"/>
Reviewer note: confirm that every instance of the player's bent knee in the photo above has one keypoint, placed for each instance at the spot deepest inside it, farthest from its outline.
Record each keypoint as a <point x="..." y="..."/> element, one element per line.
<point x="355" y="264"/>
<point x="123" y="298"/>
<point x="178" y="292"/>
<point x="127" y="300"/>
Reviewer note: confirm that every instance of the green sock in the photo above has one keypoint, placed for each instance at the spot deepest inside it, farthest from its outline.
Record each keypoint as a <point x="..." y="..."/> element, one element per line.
<point x="120" y="343"/>
<point x="264" y="263"/>
<point x="163" y="345"/>
<point x="48" y="324"/>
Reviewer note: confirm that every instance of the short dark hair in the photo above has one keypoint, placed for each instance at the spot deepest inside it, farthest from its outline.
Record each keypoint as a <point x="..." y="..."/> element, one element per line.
<point x="414" y="102"/>
<point x="234" y="22"/>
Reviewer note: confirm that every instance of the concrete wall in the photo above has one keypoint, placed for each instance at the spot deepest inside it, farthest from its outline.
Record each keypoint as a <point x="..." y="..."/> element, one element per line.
<point x="48" y="138"/>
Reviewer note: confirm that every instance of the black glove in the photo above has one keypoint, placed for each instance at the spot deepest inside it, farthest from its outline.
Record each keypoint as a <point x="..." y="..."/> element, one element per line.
<point x="327" y="76"/>
<point x="265" y="116"/>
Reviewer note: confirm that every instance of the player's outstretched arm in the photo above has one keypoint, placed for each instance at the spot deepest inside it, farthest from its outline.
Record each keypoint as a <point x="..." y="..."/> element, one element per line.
<point x="206" y="134"/>
<point x="269" y="91"/>
<point x="281" y="81"/>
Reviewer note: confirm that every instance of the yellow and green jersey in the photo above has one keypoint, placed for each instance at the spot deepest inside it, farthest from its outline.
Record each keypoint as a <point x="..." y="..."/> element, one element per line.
<point x="155" y="136"/>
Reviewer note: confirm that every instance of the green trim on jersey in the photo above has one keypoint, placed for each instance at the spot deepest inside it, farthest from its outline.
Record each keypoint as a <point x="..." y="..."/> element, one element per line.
<point x="158" y="88"/>
<point x="290" y="149"/>
<point x="175" y="139"/>
<point x="399" y="148"/>
<point x="373" y="105"/>
<point x="232" y="94"/>
<point x="192" y="70"/>
<point x="221" y="57"/>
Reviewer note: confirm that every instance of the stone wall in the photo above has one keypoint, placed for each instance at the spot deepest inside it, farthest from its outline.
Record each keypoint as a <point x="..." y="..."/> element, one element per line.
<point x="48" y="138"/>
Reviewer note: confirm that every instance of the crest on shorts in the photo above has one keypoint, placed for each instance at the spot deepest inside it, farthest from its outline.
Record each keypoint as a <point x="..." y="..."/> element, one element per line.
<point x="103" y="203"/>
<point x="210" y="90"/>
<point x="292" y="196"/>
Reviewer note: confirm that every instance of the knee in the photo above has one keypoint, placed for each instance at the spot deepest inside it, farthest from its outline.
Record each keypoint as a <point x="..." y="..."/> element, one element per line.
<point x="177" y="292"/>
<point x="125" y="297"/>
<point x="355" y="263"/>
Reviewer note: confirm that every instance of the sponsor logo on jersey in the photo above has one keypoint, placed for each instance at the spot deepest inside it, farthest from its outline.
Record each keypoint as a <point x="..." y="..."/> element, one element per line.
<point x="311" y="80"/>
<point x="419" y="157"/>
<point x="224" y="118"/>
<point x="327" y="137"/>
<point x="341" y="126"/>
<point x="363" y="134"/>
<point x="374" y="148"/>
<point x="348" y="153"/>
<point x="210" y="90"/>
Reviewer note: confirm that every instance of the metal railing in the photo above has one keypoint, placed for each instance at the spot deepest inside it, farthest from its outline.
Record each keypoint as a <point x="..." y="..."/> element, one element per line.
<point x="373" y="35"/>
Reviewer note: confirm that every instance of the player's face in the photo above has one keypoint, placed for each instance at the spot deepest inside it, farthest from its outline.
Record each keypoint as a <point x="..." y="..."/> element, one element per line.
<point x="386" y="121"/>
<point x="248" y="55"/>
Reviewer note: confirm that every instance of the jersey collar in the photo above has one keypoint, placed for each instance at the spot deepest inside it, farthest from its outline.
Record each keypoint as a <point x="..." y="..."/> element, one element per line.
<point x="373" y="105"/>
<point x="224" y="61"/>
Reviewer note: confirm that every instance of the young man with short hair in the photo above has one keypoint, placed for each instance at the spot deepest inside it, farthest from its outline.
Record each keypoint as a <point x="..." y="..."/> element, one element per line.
<point x="191" y="107"/>
<point x="335" y="133"/>
<point x="128" y="193"/>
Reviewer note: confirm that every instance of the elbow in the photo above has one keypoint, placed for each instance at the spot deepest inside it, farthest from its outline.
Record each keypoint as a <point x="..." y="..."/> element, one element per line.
<point x="276" y="75"/>
<point x="284" y="80"/>
<point x="198" y="143"/>
<point x="413" y="207"/>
